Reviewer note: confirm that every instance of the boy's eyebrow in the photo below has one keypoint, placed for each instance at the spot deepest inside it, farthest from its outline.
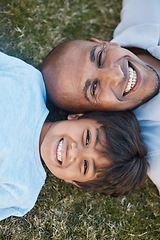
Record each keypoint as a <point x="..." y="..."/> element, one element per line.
<point x="92" y="53"/>
<point x="97" y="137"/>
<point x="94" y="168"/>
<point x="97" y="140"/>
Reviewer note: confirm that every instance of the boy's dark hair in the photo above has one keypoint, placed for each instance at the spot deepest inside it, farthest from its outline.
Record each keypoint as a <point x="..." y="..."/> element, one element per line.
<point x="125" y="149"/>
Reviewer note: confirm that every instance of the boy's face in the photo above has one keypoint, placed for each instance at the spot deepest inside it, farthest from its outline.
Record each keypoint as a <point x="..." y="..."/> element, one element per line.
<point x="71" y="149"/>
<point x="101" y="76"/>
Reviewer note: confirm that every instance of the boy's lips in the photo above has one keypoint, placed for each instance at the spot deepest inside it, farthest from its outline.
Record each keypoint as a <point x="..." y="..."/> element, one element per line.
<point x="59" y="151"/>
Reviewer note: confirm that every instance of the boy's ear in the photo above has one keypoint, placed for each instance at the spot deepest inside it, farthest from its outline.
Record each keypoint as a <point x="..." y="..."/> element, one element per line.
<point x="103" y="42"/>
<point x="72" y="182"/>
<point x="74" y="116"/>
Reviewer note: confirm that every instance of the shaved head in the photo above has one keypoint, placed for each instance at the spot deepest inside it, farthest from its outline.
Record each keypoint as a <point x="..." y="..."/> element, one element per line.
<point x="83" y="76"/>
<point x="54" y="70"/>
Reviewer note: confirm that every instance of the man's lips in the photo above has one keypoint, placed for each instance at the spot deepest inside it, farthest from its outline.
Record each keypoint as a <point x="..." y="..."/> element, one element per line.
<point x="132" y="79"/>
<point x="133" y="76"/>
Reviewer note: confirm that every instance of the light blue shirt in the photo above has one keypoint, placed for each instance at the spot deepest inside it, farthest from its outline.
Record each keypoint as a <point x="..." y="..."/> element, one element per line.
<point x="22" y="114"/>
<point x="140" y="27"/>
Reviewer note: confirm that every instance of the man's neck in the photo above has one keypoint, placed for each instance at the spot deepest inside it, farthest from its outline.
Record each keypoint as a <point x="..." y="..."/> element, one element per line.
<point x="152" y="61"/>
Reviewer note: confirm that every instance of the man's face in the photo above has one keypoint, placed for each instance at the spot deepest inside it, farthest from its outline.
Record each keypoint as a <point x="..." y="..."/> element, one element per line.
<point x="72" y="149"/>
<point x="102" y="76"/>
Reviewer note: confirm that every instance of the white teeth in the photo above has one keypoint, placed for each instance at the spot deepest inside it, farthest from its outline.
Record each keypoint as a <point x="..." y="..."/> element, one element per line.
<point x="59" y="151"/>
<point x="132" y="79"/>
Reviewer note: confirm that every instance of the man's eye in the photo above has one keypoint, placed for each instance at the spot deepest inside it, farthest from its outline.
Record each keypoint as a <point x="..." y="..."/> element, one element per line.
<point x="100" y="58"/>
<point x="85" y="166"/>
<point x="94" y="86"/>
<point x="87" y="137"/>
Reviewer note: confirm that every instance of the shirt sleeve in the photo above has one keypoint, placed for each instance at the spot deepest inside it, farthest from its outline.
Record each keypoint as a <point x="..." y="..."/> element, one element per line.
<point x="139" y="26"/>
<point x="10" y="199"/>
<point x="154" y="169"/>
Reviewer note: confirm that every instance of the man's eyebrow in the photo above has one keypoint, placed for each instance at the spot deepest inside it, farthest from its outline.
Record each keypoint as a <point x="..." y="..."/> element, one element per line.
<point x="85" y="89"/>
<point x="92" y="53"/>
<point x="88" y="81"/>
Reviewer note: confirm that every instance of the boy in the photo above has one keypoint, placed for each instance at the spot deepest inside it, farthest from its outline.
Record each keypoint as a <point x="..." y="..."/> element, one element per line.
<point x="103" y="152"/>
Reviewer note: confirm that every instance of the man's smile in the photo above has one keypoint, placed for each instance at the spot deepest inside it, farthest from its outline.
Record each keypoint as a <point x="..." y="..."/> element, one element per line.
<point x="133" y="78"/>
<point x="131" y="81"/>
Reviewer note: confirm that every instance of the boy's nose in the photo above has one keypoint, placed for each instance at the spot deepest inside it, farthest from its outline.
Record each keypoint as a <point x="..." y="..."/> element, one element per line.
<point x="73" y="151"/>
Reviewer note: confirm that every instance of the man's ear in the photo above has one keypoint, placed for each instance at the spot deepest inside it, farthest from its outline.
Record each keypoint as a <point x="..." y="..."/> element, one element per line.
<point x="72" y="182"/>
<point x="74" y="116"/>
<point x="104" y="42"/>
<point x="98" y="41"/>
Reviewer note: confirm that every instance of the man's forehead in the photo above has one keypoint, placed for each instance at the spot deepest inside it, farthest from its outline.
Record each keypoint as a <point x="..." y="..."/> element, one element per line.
<point x="81" y="46"/>
<point x="74" y="64"/>
<point x="75" y="71"/>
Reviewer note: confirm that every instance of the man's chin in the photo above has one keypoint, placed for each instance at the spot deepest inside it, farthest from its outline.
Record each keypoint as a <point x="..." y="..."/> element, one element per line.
<point x="156" y="90"/>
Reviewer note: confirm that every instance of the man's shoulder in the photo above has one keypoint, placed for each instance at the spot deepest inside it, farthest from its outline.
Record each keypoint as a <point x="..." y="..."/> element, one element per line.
<point x="149" y="110"/>
<point x="143" y="25"/>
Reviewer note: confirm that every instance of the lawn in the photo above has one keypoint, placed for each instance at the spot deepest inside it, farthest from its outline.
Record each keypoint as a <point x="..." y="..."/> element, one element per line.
<point x="29" y="29"/>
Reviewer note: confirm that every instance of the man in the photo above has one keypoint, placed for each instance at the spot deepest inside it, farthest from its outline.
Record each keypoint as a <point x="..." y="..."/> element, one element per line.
<point x="98" y="75"/>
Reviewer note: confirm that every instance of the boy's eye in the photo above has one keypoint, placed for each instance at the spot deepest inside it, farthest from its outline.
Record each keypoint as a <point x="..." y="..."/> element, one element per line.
<point x="87" y="137"/>
<point x="85" y="166"/>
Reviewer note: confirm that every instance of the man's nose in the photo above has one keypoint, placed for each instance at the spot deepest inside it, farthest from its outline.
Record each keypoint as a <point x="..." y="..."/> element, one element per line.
<point x="113" y="55"/>
<point x="111" y="72"/>
<point x="112" y="75"/>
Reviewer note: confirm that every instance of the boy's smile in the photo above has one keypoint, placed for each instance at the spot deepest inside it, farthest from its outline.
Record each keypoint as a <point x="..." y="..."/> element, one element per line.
<point x="99" y="76"/>
<point x="73" y="149"/>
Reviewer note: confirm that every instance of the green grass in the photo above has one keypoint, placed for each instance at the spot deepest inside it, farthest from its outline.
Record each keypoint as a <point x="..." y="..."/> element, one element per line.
<point x="29" y="29"/>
